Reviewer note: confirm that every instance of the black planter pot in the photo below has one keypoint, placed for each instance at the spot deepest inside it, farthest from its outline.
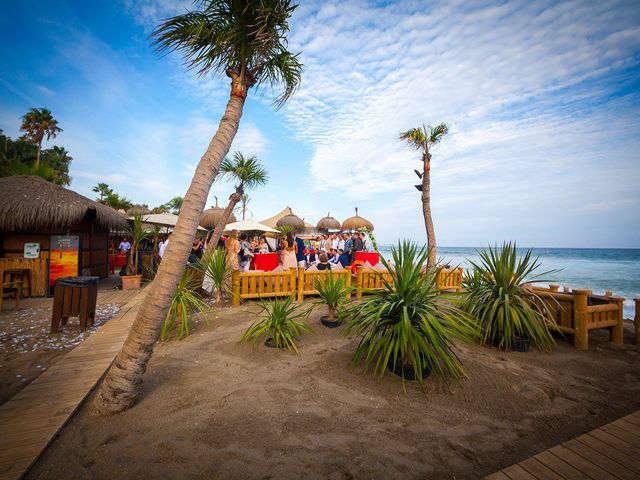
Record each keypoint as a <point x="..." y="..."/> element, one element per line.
<point x="519" y="345"/>
<point x="330" y="323"/>
<point x="269" y="342"/>
<point x="406" y="371"/>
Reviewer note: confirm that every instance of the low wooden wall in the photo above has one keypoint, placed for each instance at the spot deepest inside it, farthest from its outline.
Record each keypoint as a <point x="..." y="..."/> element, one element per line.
<point x="368" y="280"/>
<point x="39" y="268"/>
<point x="307" y="280"/>
<point x="449" y="279"/>
<point x="250" y="285"/>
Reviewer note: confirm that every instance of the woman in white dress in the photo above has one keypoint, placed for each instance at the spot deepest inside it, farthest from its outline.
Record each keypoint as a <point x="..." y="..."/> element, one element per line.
<point x="290" y="248"/>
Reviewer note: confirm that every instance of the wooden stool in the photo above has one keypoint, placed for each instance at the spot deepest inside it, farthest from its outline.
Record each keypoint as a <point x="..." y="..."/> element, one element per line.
<point x="74" y="296"/>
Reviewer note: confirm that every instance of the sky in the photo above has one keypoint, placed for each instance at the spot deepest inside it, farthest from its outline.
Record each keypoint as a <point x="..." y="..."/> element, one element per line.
<point x="542" y="99"/>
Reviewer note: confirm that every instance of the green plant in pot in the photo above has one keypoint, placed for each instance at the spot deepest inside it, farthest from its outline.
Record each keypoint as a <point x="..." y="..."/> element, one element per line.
<point x="213" y="265"/>
<point x="407" y="327"/>
<point x="185" y="304"/>
<point x="333" y="291"/>
<point x="511" y="316"/>
<point x="138" y="233"/>
<point x="281" y="324"/>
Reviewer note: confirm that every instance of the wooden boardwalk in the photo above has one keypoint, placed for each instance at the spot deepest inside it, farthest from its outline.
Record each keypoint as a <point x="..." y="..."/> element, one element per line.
<point x="30" y="420"/>
<point x="611" y="452"/>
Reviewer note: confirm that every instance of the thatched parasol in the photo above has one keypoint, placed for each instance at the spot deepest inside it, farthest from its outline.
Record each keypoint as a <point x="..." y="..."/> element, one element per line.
<point x="138" y="210"/>
<point x="328" y="223"/>
<point x="212" y="216"/>
<point x="292" y="221"/>
<point x="357" y="222"/>
<point x="31" y="203"/>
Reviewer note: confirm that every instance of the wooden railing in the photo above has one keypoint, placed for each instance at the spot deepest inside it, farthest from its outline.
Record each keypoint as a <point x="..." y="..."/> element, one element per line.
<point x="450" y="279"/>
<point x="39" y="273"/>
<point x="579" y="311"/>
<point x="249" y="285"/>
<point x="307" y="280"/>
<point x="368" y="280"/>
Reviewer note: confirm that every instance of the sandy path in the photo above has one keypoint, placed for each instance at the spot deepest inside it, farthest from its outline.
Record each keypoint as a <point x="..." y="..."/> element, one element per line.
<point x="214" y="408"/>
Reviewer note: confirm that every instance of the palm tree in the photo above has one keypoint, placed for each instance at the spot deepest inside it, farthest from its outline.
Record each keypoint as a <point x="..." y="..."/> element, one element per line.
<point x="247" y="42"/>
<point x="423" y="139"/>
<point x="175" y="204"/>
<point x="249" y="174"/>
<point x="37" y="123"/>
<point x="58" y="159"/>
<point x="103" y="190"/>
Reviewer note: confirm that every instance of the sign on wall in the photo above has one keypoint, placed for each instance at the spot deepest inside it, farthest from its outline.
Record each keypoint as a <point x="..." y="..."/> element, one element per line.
<point x="64" y="257"/>
<point x="31" y="250"/>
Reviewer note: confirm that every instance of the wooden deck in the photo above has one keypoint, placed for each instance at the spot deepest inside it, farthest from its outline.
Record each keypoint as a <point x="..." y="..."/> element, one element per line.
<point x="30" y="420"/>
<point x="611" y="452"/>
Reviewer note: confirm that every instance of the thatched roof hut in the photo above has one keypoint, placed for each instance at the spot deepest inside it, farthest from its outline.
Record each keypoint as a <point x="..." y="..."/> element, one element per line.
<point x="292" y="221"/>
<point x="138" y="210"/>
<point x="328" y="223"/>
<point x="273" y="221"/>
<point x="212" y="216"/>
<point x="357" y="222"/>
<point x="32" y="203"/>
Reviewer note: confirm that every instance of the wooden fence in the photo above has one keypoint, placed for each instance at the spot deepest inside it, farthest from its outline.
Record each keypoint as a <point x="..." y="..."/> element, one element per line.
<point x="249" y="285"/>
<point x="307" y="280"/>
<point x="450" y="279"/>
<point x="579" y="311"/>
<point x="38" y="276"/>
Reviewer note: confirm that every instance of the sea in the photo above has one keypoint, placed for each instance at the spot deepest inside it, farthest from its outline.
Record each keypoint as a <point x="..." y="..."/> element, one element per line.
<point x="597" y="269"/>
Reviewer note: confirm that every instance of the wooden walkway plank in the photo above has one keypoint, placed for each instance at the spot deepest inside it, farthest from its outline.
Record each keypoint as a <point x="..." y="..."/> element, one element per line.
<point x="31" y="419"/>
<point x="611" y="452"/>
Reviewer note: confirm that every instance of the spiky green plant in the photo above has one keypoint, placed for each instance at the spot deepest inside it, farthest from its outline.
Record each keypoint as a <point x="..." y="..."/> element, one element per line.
<point x="496" y="295"/>
<point x="186" y="302"/>
<point x="333" y="291"/>
<point x="404" y="323"/>
<point x="282" y="321"/>
<point x="138" y="233"/>
<point x="213" y="264"/>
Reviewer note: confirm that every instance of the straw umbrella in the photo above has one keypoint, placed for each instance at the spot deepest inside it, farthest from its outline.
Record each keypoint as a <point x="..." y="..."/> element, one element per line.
<point x="138" y="210"/>
<point x="292" y="221"/>
<point x="328" y="223"/>
<point x="212" y="216"/>
<point x="356" y="223"/>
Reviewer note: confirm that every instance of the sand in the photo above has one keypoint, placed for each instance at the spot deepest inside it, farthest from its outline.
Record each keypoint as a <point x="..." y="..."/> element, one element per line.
<point x="215" y="408"/>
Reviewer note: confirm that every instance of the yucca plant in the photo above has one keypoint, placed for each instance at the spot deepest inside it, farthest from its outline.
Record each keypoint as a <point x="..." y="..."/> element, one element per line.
<point x="186" y="302"/>
<point x="508" y="312"/>
<point x="333" y="291"/>
<point x="138" y="233"/>
<point x="282" y="323"/>
<point x="213" y="265"/>
<point x="405" y="325"/>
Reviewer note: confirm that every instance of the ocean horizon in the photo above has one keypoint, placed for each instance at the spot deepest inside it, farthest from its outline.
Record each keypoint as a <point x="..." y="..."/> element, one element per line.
<point x="597" y="269"/>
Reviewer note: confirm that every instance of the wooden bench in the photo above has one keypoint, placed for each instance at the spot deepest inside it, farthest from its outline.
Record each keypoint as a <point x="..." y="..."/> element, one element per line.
<point x="579" y="311"/>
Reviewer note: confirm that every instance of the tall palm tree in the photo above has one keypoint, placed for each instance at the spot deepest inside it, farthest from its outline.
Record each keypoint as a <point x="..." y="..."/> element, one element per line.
<point x="175" y="204"/>
<point x="103" y="190"/>
<point x="249" y="174"/>
<point x="423" y="139"/>
<point x="242" y="208"/>
<point x="247" y="41"/>
<point x="37" y="123"/>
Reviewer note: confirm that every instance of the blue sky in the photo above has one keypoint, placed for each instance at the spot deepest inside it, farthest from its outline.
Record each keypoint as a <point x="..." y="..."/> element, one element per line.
<point x="542" y="99"/>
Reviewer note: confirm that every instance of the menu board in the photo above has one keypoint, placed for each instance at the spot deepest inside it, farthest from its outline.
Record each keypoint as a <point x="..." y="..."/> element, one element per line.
<point x="64" y="257"/>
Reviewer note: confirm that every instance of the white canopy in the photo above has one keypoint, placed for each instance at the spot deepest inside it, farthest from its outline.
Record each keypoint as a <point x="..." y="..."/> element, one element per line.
<point x="249" y="224"/>
<point x="163" y="219"/>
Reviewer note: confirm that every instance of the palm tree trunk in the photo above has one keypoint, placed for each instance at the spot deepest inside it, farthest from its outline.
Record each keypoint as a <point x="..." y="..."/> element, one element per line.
<point x="426" y="210"/>
<point x="38" y="154"/>
<point x="121" y="387"/>
<point x="217" y="232"/>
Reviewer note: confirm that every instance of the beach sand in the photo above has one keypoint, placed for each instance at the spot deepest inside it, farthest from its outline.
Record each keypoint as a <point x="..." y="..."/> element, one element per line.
<point x="215" y="408"/>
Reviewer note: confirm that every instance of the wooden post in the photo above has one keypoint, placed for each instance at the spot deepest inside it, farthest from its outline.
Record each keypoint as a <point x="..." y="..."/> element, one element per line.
<point x="554" y="288"/>
<point x="617" y="333"/>
<point x="348" y="284"/>
<point x="235" y="288"/>
<point x="637" y="320"/>
<point x="359" y="276"/>
<point x="581" y="336"/>
<point x="300" y="284"/>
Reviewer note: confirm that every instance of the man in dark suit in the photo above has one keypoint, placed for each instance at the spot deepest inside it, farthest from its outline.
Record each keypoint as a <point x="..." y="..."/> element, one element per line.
<point x="358" y="246"/>
<point x="300" y="256"/>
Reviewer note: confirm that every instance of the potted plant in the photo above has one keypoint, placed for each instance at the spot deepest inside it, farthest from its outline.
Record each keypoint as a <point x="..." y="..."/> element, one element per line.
<point x="137" y="232"/>
<point x="216" y="274"/>
<point x="333" y="291"/>
<point x="511" y="316"/>
<point x="185" y="303"/>
<point x="281" y="324"/>
<point x="404" y="327"/>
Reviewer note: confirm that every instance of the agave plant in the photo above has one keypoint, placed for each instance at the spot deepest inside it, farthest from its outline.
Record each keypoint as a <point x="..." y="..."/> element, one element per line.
<point x="186" y="302"/>
<point x="282" y="323"/>
<point x="496" y="295"/>
<point x="333" y="290"/>
<point x="213" y="265"/>
<point x="405" y="325"/>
